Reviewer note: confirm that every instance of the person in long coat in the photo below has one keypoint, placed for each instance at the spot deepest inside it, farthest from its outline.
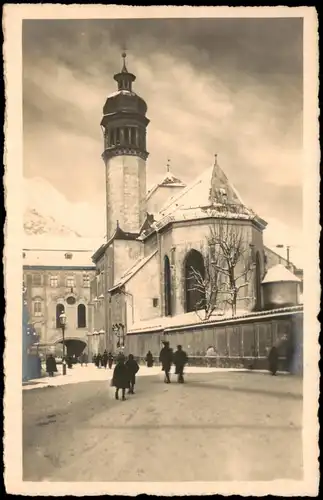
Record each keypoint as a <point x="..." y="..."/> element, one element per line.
<point x="98" y="360"/>
<point x="105" y="359"/>
<point x="149" y="359"/>
<point x="180" y="359"/>
<point x="110" y="360"/>
<point x="273" y="360"/>
<point x="51" y="365"/>
<point x="133" y="368"/>
<point x="94" y="359"/>
<point x="166" y="358"/>
<point x="120" y="378"/>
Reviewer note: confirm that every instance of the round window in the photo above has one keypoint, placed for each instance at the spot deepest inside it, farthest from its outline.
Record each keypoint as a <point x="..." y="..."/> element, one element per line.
<point x="71" y="301"/>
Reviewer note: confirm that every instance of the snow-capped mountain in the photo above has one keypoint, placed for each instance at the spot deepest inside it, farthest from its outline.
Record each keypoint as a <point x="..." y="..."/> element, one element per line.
<point x="46" y="210"/>
<point x="37" y="224"/>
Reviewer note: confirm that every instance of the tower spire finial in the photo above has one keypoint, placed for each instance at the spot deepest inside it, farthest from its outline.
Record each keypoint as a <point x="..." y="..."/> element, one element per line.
<point x="215" y="159"/>
<point x="124" y="67"/>
<point x="168" y="166"/>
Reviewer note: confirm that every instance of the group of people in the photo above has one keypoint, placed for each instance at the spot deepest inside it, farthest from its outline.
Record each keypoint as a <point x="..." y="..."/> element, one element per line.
<point x="124" y="375"/>
<point x="103" y="360"/>
<point x="179" y="358"/>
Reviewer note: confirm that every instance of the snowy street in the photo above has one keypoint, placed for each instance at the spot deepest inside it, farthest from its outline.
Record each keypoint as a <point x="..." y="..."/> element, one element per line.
<point x="220" y="425"/>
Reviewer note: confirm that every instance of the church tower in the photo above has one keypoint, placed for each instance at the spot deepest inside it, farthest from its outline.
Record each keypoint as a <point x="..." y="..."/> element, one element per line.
<point x="124" y="125"/>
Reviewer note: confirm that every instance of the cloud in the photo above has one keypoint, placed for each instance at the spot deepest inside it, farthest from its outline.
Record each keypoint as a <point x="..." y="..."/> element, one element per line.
<point x="230" y="87"/>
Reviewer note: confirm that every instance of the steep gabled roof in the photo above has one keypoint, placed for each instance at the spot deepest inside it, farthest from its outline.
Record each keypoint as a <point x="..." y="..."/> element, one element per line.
<point x="209" y="195"/>
<point x="169" y="180"/>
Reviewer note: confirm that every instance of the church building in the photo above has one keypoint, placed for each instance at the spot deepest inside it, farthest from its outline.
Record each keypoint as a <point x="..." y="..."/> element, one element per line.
<point x="157" y="241"/>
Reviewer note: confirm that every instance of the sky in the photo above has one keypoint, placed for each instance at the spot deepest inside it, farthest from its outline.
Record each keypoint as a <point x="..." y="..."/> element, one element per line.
<point x="226" y="86"/>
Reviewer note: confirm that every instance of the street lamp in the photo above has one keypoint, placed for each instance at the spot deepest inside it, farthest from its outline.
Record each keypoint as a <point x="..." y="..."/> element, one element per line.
<point x="62" y="320"/>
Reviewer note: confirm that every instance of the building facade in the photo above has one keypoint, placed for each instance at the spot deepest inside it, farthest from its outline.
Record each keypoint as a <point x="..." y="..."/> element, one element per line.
<point x="159" y="241"/>
<point x="57" y="280"/>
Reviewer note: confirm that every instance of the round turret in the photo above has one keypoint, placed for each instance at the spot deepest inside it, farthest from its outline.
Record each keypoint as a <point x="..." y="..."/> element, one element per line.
<point x="281" y="288"/>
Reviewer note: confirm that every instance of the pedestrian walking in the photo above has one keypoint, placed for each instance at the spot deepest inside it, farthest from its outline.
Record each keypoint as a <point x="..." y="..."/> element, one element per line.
<point x="133" y="368"/>
<point x="51" y="366"/>
<point x="98" y="360"/>
<point x="273" y="360"/>
<point x="120" y="378"/>
<point x="94" y="359"/>
<point x="105" y="359"/>
<point x="110" y="360"/>
<point x="180" y="359"/>
<point x="85" y="358"/>
<point x="149" y="359"/>
<point x="166" y="358"/>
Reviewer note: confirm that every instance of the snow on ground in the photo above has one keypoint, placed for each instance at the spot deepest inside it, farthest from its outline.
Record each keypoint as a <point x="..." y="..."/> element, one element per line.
<point x="222" y="426"/>
<point x="91" y="373"/>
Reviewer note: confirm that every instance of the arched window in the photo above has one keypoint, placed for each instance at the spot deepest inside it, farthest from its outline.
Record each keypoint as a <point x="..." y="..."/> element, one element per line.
<point x="258" y="283"/>
<point x="194" y="273"/>
<point x="167" y="287"/>
<point x="81" y="316"/>
<point x="59" y="310"/>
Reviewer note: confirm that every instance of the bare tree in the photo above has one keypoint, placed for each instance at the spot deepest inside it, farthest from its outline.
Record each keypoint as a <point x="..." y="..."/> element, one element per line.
<point x="231" y="258"/>
<point x="207" y="287"/>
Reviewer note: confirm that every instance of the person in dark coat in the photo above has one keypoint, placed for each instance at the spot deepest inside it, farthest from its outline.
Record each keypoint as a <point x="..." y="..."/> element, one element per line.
<point x="180" y="359"/>
<point x="149" y="359"/>
<point x="133" y="368"/>
<point x="51" y="365"/>
<point x="98" y="360"/>
<point x="105" y="359"/>
<point x="69" y="361"/>
<point x="94" y="359"/>
<point x="110" y="360"/>
<point x="120" y="378"/>
<point x="273" y="360"/>
<point x="166" y="357"/>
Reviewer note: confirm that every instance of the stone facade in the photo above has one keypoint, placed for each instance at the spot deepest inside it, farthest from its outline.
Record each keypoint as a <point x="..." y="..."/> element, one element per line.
<point x="51" y="289"/>
<point x="126" y="192"/>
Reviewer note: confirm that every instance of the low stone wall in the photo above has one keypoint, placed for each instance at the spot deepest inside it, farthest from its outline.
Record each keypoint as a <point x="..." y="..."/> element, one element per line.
<point x="226" y="362"/>
<point x="238" y="342"/>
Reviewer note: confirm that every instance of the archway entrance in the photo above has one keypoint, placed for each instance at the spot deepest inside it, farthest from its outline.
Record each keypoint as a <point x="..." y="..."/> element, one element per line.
<point x="74" y="347"/>
<point x="194" y="272"/>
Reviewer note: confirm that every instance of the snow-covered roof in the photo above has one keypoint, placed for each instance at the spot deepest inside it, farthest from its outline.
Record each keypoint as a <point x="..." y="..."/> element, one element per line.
<point x="279" y="273"/>
<point x="58" y="258"/>
<point x="133" y="270"/>
<point x="192" y="320"/>
<point x="46" y="242"/>
<point x="211" y="190"/>
<point x="169" y="180"/>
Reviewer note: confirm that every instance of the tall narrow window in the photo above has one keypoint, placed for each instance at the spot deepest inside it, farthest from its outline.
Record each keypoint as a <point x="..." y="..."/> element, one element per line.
<point x="81" y="316"/>
<point x="168" y="287"/>
<point x="86" y="281"/>
<point x="53" y="281"/>
<point x="194" y="274"/>
<point x="37" y="308"/>
<point x="117" y="136"/>
<point x="59" y="310"/>
<point x="36" y="279"/>
<point x="70" y="282"/>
